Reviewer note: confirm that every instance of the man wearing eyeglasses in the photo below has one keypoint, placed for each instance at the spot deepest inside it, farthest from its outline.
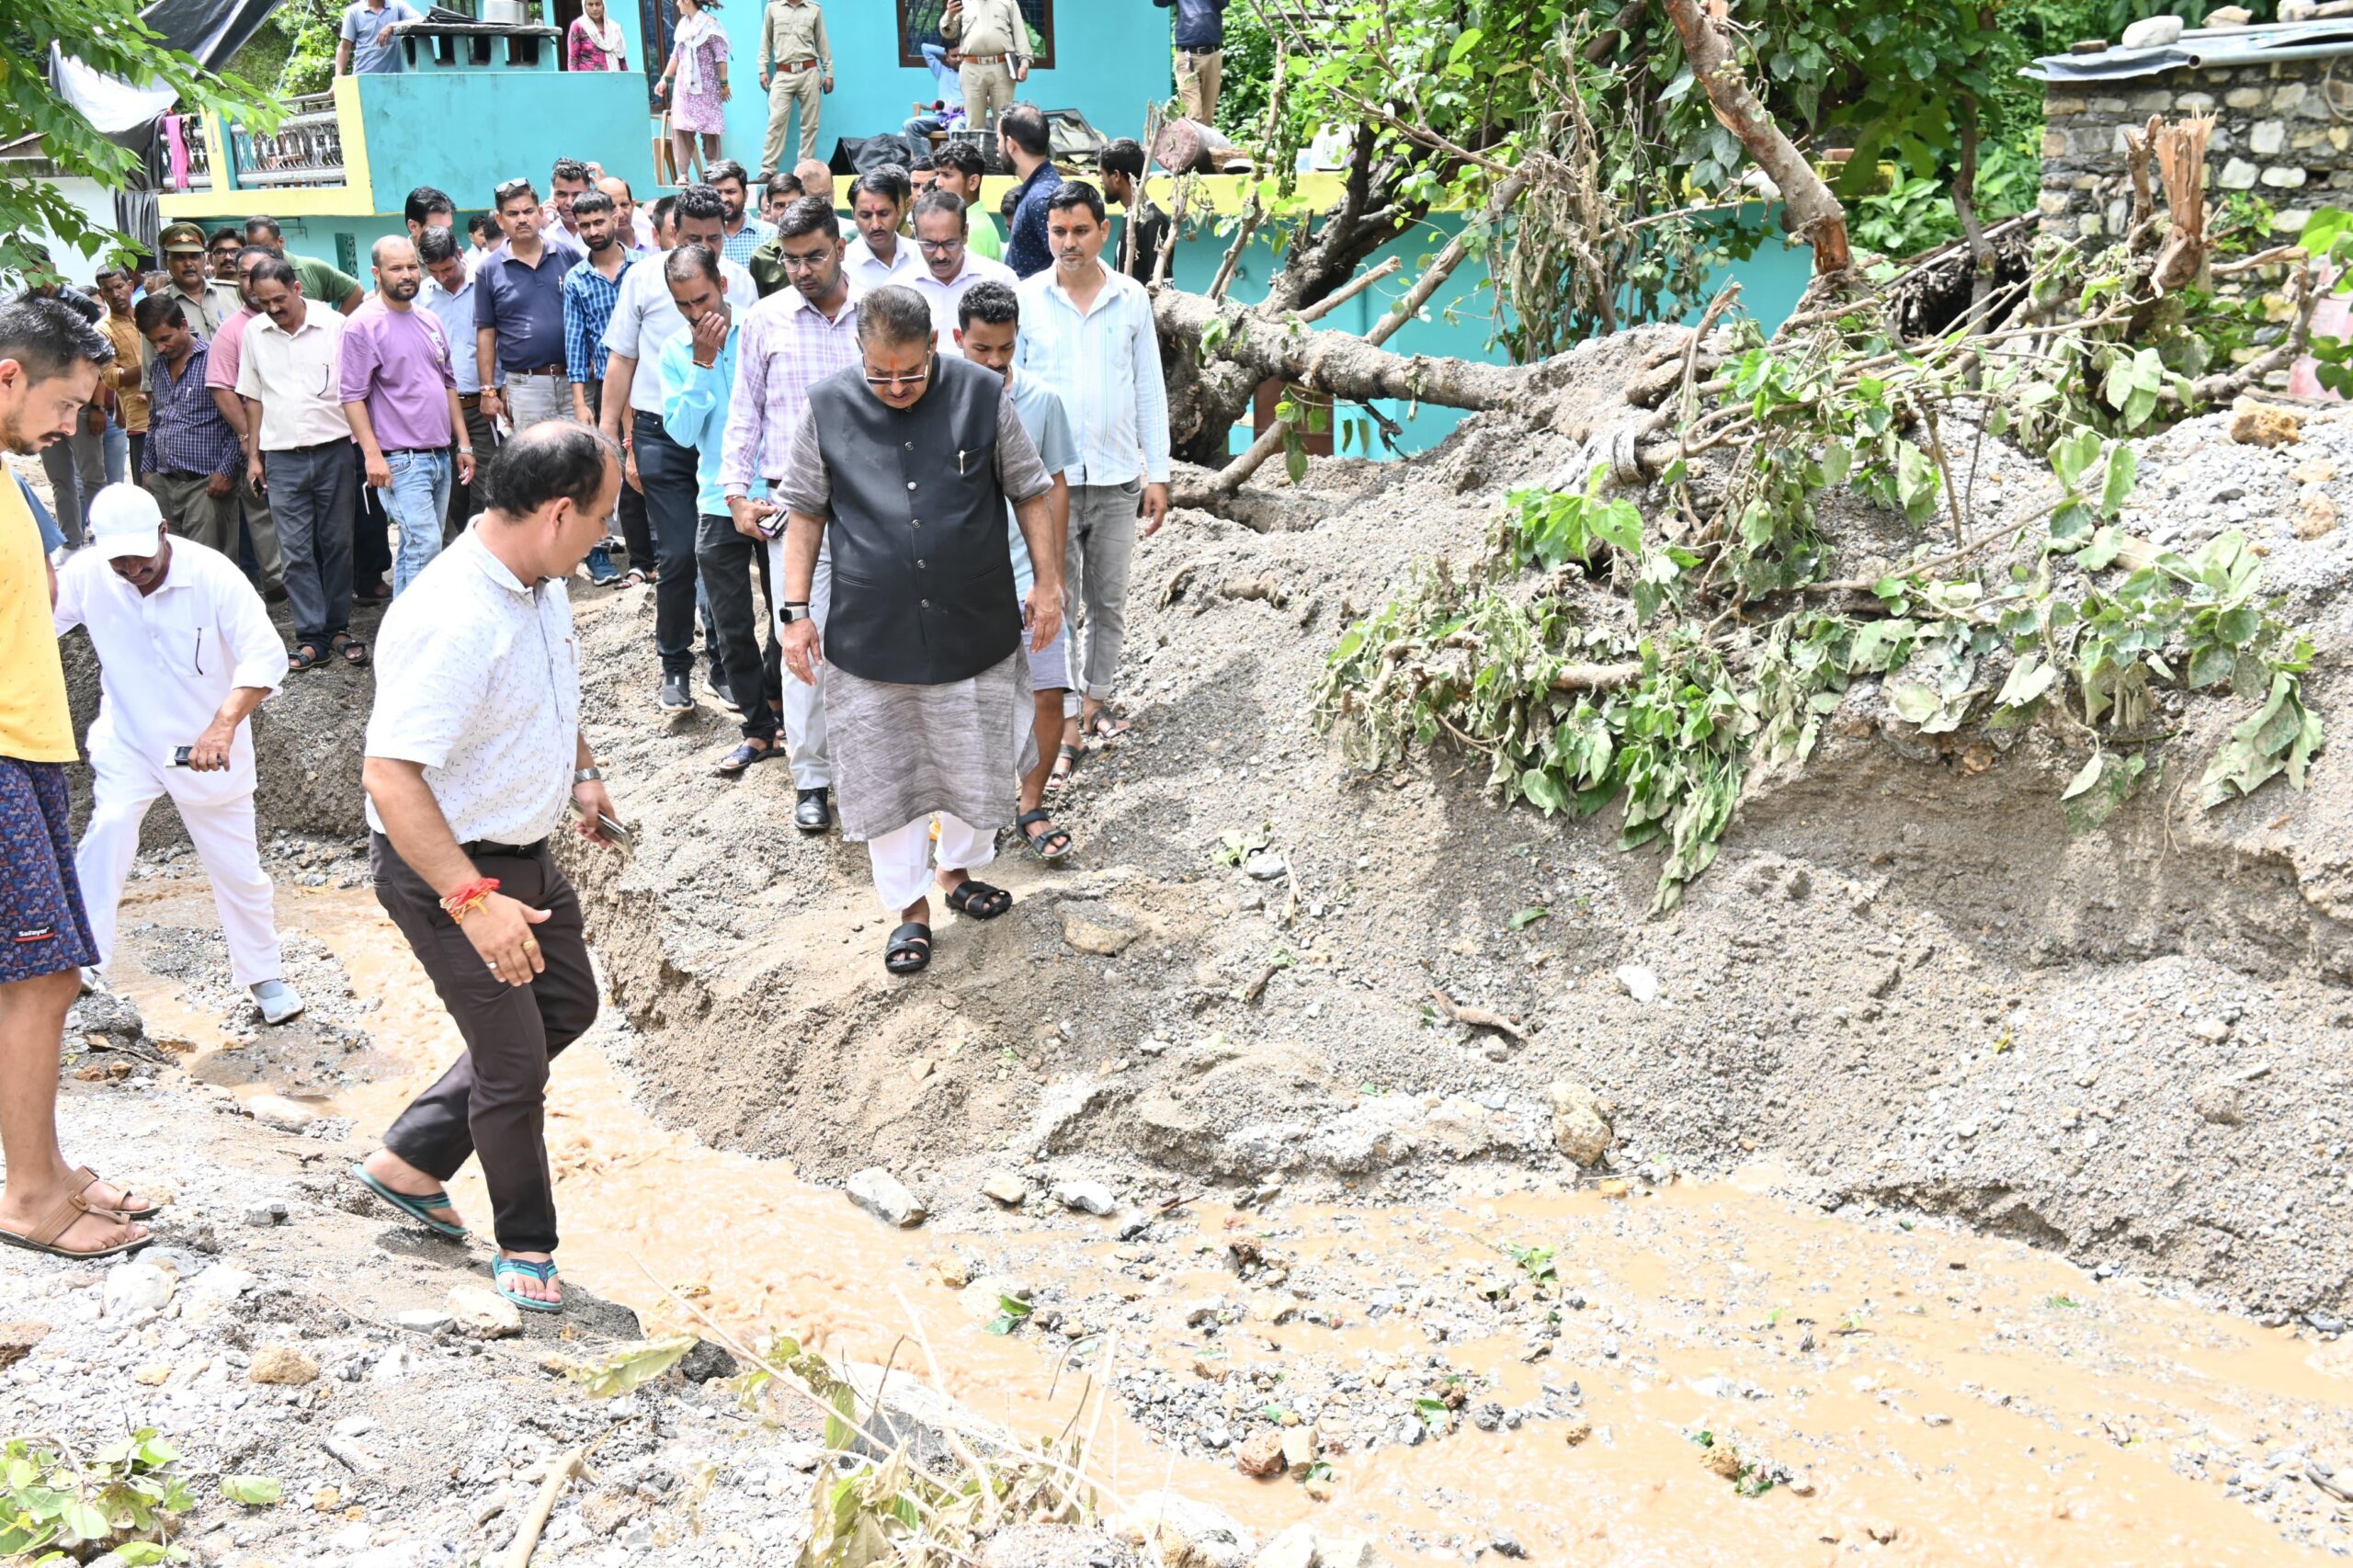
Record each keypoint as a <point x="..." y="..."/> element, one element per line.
<point x="950" y="267"/>
<point x="789" y="343"/>
<point x="907" y="461"/>
<point x="518" y="318"/>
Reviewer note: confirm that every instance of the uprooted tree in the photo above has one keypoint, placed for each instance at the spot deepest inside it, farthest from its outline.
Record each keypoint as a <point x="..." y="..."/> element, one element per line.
<point x="1671" y="615"/>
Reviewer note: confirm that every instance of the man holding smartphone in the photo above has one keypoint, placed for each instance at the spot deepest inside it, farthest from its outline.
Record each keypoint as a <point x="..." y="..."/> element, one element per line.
<point x="185" y="654"/>
<point x="790" y="342"/>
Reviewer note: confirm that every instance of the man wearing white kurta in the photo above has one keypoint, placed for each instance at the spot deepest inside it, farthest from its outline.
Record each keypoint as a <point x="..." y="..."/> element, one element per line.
<point x="185" y="654"/>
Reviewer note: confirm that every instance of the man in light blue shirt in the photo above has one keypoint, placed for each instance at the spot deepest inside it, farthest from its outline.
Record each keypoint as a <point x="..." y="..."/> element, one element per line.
<point x="370" y="44"/>
<point x="1087" y="332"/>
<point x="448" y="295"/>
<point x="988" y="331"/>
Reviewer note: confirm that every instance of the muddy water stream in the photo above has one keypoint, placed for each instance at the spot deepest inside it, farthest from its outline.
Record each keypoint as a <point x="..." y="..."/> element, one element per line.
<point x="1926" y="1396"/>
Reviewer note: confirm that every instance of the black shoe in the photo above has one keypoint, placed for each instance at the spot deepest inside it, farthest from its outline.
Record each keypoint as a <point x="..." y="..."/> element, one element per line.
<point x="813" y="813"/>
<point x="678" y="694"/>
<point x="719" y="692"/>
<point x="375" y="591"/>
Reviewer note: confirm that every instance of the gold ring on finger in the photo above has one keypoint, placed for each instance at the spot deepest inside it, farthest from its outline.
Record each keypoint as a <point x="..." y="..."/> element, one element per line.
<point x="531" y="945"/>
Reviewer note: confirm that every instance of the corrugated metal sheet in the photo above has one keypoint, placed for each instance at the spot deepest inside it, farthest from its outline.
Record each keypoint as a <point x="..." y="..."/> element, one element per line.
<point x="2201" y="48"/>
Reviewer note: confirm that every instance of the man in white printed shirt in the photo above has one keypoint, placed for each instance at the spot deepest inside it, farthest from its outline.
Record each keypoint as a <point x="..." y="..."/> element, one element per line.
<point x="950" y="267"/>
<point x="185" y="654"/>
<point x="1087" y="332"/>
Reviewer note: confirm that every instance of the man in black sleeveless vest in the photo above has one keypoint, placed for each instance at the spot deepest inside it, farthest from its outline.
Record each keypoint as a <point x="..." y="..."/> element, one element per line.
<point x="909" y="461"/>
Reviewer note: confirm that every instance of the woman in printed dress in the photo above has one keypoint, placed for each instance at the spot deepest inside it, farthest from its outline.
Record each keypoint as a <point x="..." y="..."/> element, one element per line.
<point x="699" y="64"/>
<point x="594" y="44"/>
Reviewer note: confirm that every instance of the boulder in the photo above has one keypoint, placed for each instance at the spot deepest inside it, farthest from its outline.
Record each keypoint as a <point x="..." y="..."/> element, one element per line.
<point x="483" y="1312"/>
<point x="1086" y="1197"/>
<point x="885" y="1197"/>
<point x="1580" y="1122"/>
<point x="1004" y="1187"/>
<point x="2152" y="32"/>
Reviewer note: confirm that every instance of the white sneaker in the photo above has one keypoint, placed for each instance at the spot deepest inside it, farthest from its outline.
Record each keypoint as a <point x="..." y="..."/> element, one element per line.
<point x="91" y="979"/>
<point x="278" y="1001"/>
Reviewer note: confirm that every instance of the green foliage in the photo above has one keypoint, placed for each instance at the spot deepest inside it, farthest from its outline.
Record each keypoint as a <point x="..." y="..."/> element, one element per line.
<point x="106" y="35"/>
<point x="626" y="1367"/>
<point x="1599" y="658"/>
<point x="311" y="28"/>
<point x="252" y="1491"/>
<point x="1536" y="1263"/>
<point x="54" y="1507"/>
<point x="2329" y="235"/>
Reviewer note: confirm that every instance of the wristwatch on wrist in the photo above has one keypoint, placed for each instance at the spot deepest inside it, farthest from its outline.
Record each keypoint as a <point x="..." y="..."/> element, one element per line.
<point x="791" y="611"/>
<point x="587" y="775"/>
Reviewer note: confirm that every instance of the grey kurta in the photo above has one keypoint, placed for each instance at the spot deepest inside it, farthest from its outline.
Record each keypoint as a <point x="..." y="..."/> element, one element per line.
<point x="903" y="751"/>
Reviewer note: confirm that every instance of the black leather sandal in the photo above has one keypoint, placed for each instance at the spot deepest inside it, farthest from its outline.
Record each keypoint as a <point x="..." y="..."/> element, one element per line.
<point x="909" y="950"/>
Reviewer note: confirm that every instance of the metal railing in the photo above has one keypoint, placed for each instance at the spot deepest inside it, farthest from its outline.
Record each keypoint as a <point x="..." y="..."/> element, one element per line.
<point x="305" y="150"/>
<point x="199" y="156"/>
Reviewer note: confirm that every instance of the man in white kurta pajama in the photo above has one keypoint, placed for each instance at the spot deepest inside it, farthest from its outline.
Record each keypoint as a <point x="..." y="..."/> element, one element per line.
<point x="185" y="654"/>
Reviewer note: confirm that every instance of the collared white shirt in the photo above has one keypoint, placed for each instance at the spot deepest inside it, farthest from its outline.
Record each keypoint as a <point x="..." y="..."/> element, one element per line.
<point x="645" y="317"/>
<point x="169" y="660"/>
<point x="456" y="314"/>
<point x="866" y="274"/>
<point x="297" y="378"/>
<point x="478" y="678"/>
<point x="1106" y="363"/>
<point x="943" y="298"/>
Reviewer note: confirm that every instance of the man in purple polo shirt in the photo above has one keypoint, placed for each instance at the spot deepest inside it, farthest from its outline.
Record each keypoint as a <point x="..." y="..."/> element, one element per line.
<point x="402" y="399"/>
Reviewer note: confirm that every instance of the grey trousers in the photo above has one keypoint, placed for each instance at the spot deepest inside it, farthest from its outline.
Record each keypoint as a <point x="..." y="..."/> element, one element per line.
<point x="262" y="530"/>
<point x="1094" y="569"/>
<point x="313" y="493"/>
<point x="77" y="469"/>
<point x="192" y="511"/>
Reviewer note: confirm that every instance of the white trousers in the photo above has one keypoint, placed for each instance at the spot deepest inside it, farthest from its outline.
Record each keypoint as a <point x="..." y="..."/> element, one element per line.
<point x="805" y="738"/>
<point x="222" y="830"/>
<point x="903" y="859"/>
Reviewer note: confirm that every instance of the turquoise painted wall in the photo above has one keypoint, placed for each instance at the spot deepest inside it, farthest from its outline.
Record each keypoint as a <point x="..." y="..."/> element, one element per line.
<point x="466" y="130"/>
<point x="1111" y="60"/>
<point x="1457" y="321"/>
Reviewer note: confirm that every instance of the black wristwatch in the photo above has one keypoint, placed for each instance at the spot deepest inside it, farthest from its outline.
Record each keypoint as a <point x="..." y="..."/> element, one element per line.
<point x="790" y="611"/>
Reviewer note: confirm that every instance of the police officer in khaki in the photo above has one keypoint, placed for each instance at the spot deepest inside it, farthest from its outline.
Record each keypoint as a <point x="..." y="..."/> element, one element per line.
<point x="796" y="68"/>
<point x="994" y="43"/>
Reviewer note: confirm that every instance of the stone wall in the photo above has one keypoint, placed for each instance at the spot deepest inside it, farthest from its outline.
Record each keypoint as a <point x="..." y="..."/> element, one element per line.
<point x="2275" y="136"/>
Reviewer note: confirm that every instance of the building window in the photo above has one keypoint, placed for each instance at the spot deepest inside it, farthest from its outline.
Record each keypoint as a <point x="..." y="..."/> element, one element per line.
<point x="919" y="25"/>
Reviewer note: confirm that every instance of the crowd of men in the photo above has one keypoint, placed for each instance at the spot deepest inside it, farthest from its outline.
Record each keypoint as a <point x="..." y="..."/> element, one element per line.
<point x="866" y="473"/>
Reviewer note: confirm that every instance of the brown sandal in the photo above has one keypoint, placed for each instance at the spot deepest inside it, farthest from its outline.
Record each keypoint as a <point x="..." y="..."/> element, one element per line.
<point x="143" y="1212"/>
<point x="43" y="1237"/>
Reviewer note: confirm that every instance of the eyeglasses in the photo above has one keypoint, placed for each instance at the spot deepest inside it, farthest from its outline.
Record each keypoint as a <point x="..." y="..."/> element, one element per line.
<point x="810" y="263"/>
<point x="912" y="379"/>
<point x="940" y="248"/>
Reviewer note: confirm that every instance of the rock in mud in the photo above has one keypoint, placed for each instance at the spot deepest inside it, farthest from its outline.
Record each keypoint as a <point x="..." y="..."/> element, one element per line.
<point x="136" y="1288"/>
<point x="1580" y="1122"/>
<point x="277" y="1110"/>
<point x="115" y="1021"/>
<point x="885" y="1197"/>
<point x="483" y="1312"/>
<point x="17" y="1339"/>
<point x="706" y="1362"/>
<point x="1295" y="1548"/>
<point x="1261" y="1453"/>
<point x="1637" y="982"/>
<point x="1086" y="1197"/>
<point x="282" y="1364"/>
<point x="1094" y="928"/>
<point x="1004" y="1187"/>
<point x="1188" y="1534"/>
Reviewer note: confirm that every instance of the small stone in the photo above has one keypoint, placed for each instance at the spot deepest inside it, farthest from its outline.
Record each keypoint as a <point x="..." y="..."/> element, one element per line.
<point x="136" y="1288"/>
<point x="1936" y="1419"/>
<point x="1295" y="1548"/>
<point x="1261" y="1453"/>
<point x="2229" y="17"/>
<point x="2285" y="178"/>
<point x="1005" y="1187"/>
<point x="155" y="1374"/>
<point x="263" y="1215"/>
<point x="1093" y="928"/>
<point x="17" y="1339"/>
<point x="1408" y="1432"/>
<point x="2237" y="174"/>
<point x="423" y="1319"/>
<point x="1576" y="1432"/>
<point x="2314" y="470"/>
<point x="1722" y="1459"/>
<point x="1581" y="1126"/>
<point x="2213" y="1031"/>
<point x="1639" y="982"/>
<point x="1266" y="866"/>
<point x="2315" y="515"/>
<point x="214" y="1291"/>
<point x="1086" y="1197"/>
<point x="2256" y="424"/>
<point x="2268" y="138"/>
<point x="1298" y="1446"/>
<point x="282" y="1364"/>
<point x="1883" y="1532"/>
<point x="1503" y="1544"/>
<point x="483" y="1312"/>
<point x="277" y="1110"/>
<point x="2152" y="32"/>
<point x="886" y="1198"/>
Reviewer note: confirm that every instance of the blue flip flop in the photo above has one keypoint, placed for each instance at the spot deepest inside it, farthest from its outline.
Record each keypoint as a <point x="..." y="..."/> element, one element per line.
<point x="542" y="1272"/>
<point x="417" y="1207"/>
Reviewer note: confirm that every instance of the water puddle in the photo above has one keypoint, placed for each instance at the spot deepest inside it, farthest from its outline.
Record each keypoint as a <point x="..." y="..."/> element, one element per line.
<point x="1930" y="1395"/>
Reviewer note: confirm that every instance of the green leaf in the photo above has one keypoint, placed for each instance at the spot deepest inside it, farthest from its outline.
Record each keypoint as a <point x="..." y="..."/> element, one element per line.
<point x="252" y="1491"/>
<point x="2101" y="552"/>
<point x="1912" y="702"/>
<point x="622" y="1369"/>
<point x="2121" y="468"/>
<point x="1522" y="920"/>
<point x="83" y="1522"/>
<point x="142" y="1554"/>
<point x="2030" y="678"/>
<point x="1542" y="792"/>
<point x="2072" y="457"/>
<point x="2085" y="777"/>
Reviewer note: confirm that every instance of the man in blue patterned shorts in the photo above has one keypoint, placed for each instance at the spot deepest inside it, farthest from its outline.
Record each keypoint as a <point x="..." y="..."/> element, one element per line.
<point x="49" y="360"/>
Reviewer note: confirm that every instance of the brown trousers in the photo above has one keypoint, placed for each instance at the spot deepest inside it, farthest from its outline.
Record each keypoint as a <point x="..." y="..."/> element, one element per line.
<point x="493" y="1100"/>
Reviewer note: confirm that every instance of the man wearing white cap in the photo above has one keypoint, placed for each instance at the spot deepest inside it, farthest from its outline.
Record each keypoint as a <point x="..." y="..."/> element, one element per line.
<point x="185" y="654"/>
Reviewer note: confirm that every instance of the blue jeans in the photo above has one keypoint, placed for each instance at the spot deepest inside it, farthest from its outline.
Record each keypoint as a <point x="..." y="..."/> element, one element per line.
<point x="114" y="447"/>
<point x="416" y="501"/>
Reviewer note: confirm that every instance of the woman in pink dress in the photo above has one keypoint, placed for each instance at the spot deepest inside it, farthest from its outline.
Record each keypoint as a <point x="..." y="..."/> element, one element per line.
<point x="592" y="43"/>
<point x="699" y="63"/>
